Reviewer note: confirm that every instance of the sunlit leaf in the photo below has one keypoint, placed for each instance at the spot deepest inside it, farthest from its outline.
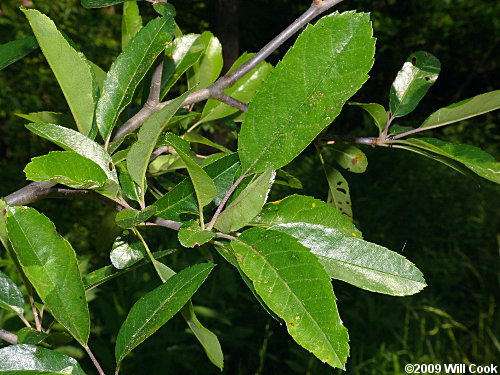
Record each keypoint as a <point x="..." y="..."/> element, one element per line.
<point x="350" y="158"/>
<point x="128" y="218"/>
<point x="11" y="297"/>
<point x="209" y="67"/>
<point x="306" y="91"/>
<point x="126" y="251"/>
<point x="376" y="111"/>
<point x="131" y="21"/>
<point x="191" y="235"/>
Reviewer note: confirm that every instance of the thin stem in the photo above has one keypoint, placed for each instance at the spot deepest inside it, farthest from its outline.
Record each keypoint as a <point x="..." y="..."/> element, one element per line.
<point x="332" y="139"/>
<point x="94" y="360"/>
<point x="150" y="255"/>
<point x="8" y="337"/>
<point x="170" y="224"/>
<point x="226" y="236"/>
<point x="229" y="100"/>
<point x="390" y="119"/>
<point x="38" y="325"/>
<point x="409" y="132"/>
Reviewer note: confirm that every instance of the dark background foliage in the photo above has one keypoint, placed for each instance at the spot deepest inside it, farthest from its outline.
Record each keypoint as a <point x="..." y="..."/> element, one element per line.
<point x="447" y="224"/>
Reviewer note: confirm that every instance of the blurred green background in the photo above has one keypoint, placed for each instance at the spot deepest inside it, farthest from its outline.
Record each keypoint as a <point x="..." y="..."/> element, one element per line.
<point x="446" y="223"/>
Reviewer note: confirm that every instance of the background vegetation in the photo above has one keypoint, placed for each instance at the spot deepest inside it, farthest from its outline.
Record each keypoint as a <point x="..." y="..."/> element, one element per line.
<point x="445" y="223"/>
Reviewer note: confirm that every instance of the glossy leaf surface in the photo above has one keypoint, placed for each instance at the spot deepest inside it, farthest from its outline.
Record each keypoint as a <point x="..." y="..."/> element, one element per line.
<point x="126" y="251"/>
<point x="243" y="90"/>
<point x="158" y="306"/>
<point x="463" y="110"/>
<point x="49" y="262"/>
<point x="477" y="160"/>
<point x="350" y="158"/>
<point x="203" y="184"/>
<point x="180" y="55"/>
<point x="361" y="263"/>
<point x="129" y="69"/>
<point x="67" y="168"/>
<point x="209" y="67"/>
<point x="418" y="74"/>
<point x="338" y="191"/>
<point x="131" y="21"/>
<point x="29" y="359"/>
<point x="294" y="284"/>
<point x="247" y="204"/>
<point x="191" y="235"/>
<point x="50" y="118"/>
<point x="11" y="297"/>
<point x="13" y="51"/>
<point x="376" y="111"/>
<point x="302" y="209"/>
<point x="128" y="218"/>
<point x="72" y="71"/>
<point x="306" y="91"/>
<point x="140" y="152"/>
<point x="182" y="197"/>
<point x="129" y="187"/>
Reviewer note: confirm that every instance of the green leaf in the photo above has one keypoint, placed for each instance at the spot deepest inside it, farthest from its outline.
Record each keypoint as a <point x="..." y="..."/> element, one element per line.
<point x="29" y="359"/>
<point x="4" y="238"/>
<point x="338" y="192"/>
<point x="350" y="158"/>
<point x="130" y="189"/>
<point x="203" y="184"/>
<point x="49" y="262"/>
<point x="244" y="90"/>
<point x="72" y="71"/>
<point x="30" y="336"/>
<point x="15" y="50"/>
<point x="67" y="168"/>
<point x="209" y="67"/>
<point x="415" y="78"/>
<point x="158" y="306"/>
<point x="50" y="118"/>
<point x="288" y="179"/>
<point x="463" y="110"/>
<point x="140" y="152"/>
<point x="207" y="338"/>
<point x="197" y="138"/>
<point x="71" y="140"/>
<point x="306" y="91"/>
<point x="167" y="10"/>
<point x="247" y="205"/>
<point x="182" y="198"/>
<point x="477" y="160"/>
<point x="376" y="111"/>
<point x="294" y="284"/>
<point x="131" y="22"/>
<point x="128" y="218"/>
<point x="191" y="235"/>
<point x="129" y="69"/>
<point x="180" y="55"/>
<point x="126" y="251"/>
<point x="360" y="263"/>
<point x="11" y="297"/>
<point x="101" y="3"/>
<point x="302" y="209"/>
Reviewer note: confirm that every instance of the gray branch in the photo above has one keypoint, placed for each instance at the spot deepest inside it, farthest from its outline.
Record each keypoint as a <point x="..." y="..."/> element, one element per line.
<point x="8" y="337"/>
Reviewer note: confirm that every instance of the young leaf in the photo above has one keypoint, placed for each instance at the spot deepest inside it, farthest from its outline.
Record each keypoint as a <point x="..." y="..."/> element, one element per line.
<point x="67" y="168"/>
<point x="376" y="111"/>
<point x="294" y="284"/>
<point x="17" y="49"/>
<point x="11" y="297"/>
<point x="209" y="67"/>
<point x="100" y="3"/>
<point x="140" y="152"/>
<point x="158" y="306"/>
<point x="306" y="91"/>
<point x="302" y="209"/>
<point x="49" y="262"/>
<point x="126" y="251"/>
<point x="197" y="138"/>
<point x="191" y="235"/>
<point x="247" y="204"/>
<point x="131" y="22"/>
<point x="128" y="218"/>
<point x="30" y="359"/>
<point x="415" y="78"/>
<point x="71" y="69"/>
<point x="182" y="198"/>
<point x="50" y="118"/>
<point x="338" y="191"/>
<point x="350" y="158"/>
<point x="360" y="263"/>
<point x="463" y="110"/>
<point x="477" y="160"/>
<point x="244" y="90"/>
<point x="129" y="69"/>
<point x="203" y="184"/>
<point x="180" y="55"/>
